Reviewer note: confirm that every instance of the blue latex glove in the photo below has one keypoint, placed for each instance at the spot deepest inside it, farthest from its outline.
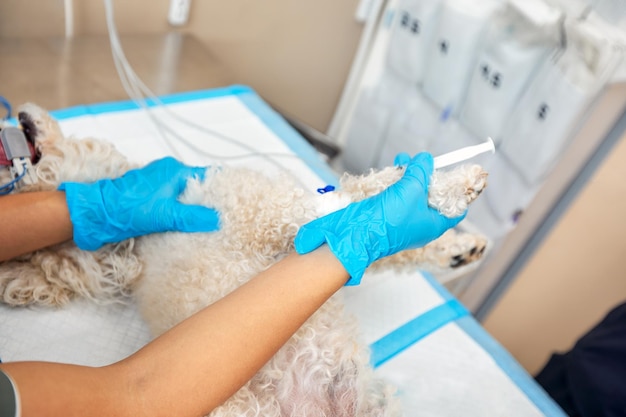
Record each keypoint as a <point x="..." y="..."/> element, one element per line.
<point x="140" y="202"/>
<point x="402" y="159"/>
<point x="399" y="218"/>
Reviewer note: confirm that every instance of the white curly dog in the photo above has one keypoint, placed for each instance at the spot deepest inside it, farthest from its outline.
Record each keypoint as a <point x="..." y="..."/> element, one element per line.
<point x="324" y="368"/>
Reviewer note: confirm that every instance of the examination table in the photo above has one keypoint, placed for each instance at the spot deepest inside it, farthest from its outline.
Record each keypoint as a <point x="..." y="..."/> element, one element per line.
<point x="423" y="340"/>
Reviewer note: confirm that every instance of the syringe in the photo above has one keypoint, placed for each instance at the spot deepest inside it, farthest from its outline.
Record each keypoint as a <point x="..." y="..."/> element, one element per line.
<point x="464" y="153"/>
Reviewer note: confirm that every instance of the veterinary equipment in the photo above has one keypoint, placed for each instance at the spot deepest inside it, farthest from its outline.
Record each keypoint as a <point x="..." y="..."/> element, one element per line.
<point x="464" y="154"/>
<point x="538" y="76"/>
<point x="16" y="153"/>
<point x="7" y="106"/>
<point x="422" y="339"/>
<point x="145" y="98"/>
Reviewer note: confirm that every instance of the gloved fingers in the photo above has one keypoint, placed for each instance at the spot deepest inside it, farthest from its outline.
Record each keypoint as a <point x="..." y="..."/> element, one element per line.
<point x="310" y="237"/>
<point x="193" y="218"/>
<point x="450" y="222"/>
<point x="198" y="172"/>
<point x="170" y="170"/>
<point x="442" y="223"/>
<point x="182" y="173"/>
<point x="185" y="172"/>
<point x="421" y="168"/>
<point x="402" y="159"/>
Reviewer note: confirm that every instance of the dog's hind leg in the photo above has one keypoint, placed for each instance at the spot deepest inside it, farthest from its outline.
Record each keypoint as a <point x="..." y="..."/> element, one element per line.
<point x="23" y="283"/>
<point x="54" y="277"/>
<point x="450" y="191"/>
<point x="452" y="250"/>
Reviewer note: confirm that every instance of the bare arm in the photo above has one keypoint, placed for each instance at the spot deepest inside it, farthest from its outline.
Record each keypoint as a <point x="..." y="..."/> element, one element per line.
<point x="203" y="360"/>
<point x="33" y="221"/>
<point x="140" y="202"/>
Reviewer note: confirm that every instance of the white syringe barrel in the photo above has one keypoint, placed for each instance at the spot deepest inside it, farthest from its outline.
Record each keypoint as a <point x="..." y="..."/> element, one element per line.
<point x="463" y="154"/>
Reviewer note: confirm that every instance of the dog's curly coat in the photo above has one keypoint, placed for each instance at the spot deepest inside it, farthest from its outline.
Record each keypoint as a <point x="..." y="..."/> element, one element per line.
<point x="324" y="368"/>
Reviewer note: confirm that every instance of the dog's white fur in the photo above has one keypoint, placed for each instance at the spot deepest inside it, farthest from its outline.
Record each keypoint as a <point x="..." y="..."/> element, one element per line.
<point x="324" y="368"/>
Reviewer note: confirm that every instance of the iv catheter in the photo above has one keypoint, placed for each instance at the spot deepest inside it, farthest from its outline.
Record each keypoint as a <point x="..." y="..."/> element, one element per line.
<point x="464" y="154"/>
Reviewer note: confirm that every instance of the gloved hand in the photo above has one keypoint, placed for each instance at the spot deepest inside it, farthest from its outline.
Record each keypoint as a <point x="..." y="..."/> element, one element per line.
<point x="140" y="202"/>
<point x="399" y="218"/>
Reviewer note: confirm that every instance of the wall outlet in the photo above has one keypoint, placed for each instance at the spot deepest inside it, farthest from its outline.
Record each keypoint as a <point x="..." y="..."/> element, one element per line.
<point x="178" y="14"/>
<point x="363" y="11"/>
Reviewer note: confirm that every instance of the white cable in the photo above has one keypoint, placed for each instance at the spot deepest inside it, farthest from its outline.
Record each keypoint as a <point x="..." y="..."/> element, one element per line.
<point x="137" y="91"/>
<point x="68" y="6"/>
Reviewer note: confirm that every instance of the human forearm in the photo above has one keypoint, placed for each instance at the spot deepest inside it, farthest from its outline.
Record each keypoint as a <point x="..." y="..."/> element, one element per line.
<point x="198" y="364"/>
<point x="140" y="202"/>
<point x="32" y="221"/>
<point x="212" y="354"/>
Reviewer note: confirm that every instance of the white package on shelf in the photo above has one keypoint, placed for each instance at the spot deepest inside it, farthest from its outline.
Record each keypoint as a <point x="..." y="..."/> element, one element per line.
<point x="452" y="52"/>
<point x="515" y="44"/>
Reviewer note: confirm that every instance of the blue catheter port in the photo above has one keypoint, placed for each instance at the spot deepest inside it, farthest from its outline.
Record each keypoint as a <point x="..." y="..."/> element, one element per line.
<point x="326" y="189"/>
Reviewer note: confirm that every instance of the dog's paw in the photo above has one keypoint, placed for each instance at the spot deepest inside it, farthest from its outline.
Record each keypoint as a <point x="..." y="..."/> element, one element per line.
<point x="453" y="250"/>
<point x="451" y="192"/>
<point x="466" y="249"/>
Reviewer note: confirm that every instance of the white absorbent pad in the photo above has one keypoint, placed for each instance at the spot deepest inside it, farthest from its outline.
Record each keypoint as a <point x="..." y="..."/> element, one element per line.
<point x="91" y="334"/>
<point x="443" y="363"/>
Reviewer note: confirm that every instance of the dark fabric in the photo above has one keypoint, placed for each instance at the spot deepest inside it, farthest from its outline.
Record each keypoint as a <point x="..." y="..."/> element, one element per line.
<point x="8" y="406"/>
<point x="553" y="378"/>
<point x="590" y="379"/>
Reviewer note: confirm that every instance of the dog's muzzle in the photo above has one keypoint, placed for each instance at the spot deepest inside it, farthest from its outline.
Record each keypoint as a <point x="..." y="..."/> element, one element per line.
<point x="14" y="145"/>
<point x="18" y="154"/>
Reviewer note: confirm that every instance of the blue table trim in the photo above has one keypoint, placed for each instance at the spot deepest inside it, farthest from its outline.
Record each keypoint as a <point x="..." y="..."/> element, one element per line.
<point x="410" y="333"/>
<point x="452" y="312"/>
<point x="272" y="119"/>
<point x="124" y="105"/>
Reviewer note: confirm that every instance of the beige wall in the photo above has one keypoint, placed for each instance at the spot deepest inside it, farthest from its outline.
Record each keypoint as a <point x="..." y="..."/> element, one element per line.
<point x="34" y="18"/>
<point x="576" y="276"/>
<point x="296" y="54"/>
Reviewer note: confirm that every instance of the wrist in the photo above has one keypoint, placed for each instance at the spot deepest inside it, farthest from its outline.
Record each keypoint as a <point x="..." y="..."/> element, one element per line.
<point x="352" y="252"/>
<point x="88" y="214"/>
